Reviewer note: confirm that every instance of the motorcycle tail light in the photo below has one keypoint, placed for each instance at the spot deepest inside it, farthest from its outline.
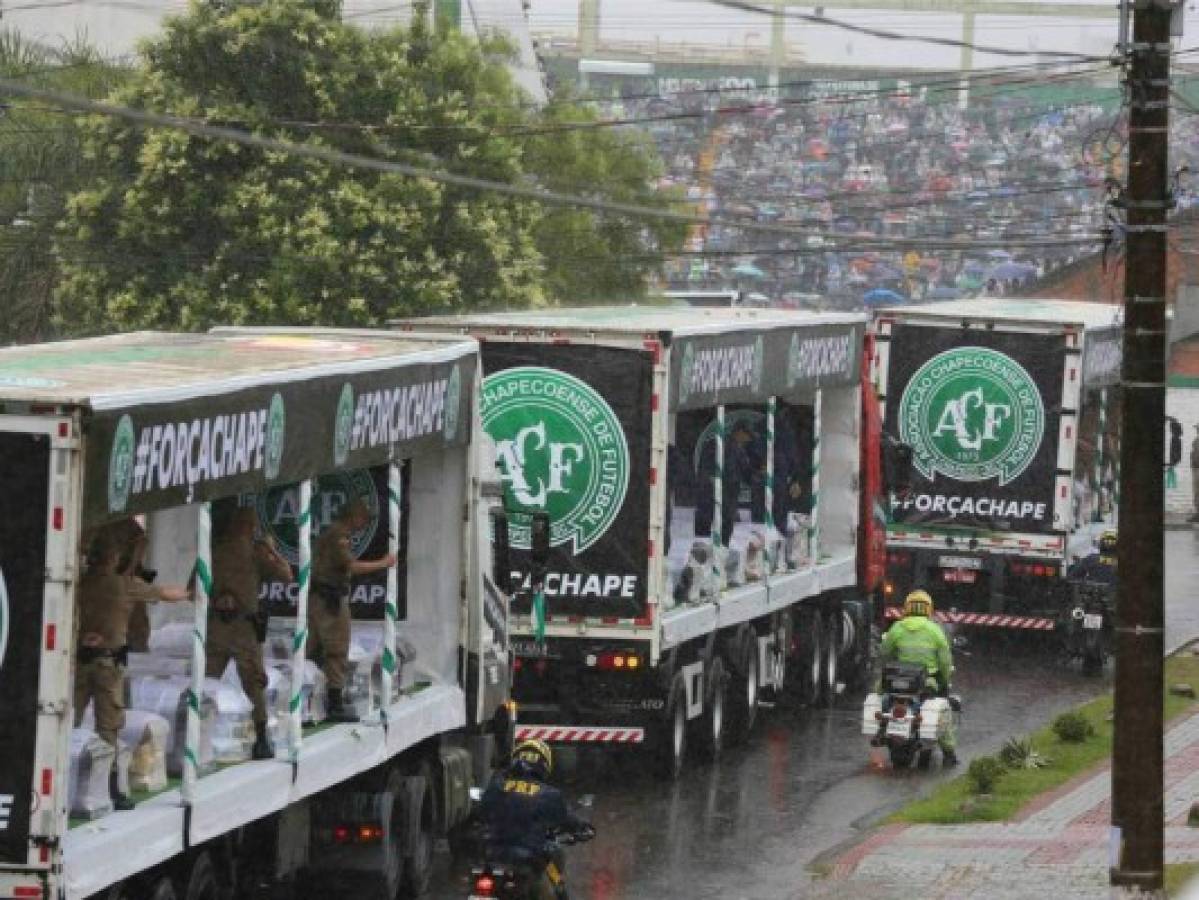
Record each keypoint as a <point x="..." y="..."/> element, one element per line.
<point x="899" y="711"/>
<point x="485" y="886"/>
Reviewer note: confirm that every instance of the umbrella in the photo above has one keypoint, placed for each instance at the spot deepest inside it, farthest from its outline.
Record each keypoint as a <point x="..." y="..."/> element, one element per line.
<point x="883" y="297"/>
<point x="999" y="254"/>
<point x="748" y="270"/>
<point x="1012" y="270"/>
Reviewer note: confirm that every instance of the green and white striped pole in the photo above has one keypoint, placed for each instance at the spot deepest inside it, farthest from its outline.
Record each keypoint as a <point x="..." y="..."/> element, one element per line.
<point x="718" y="499"/>
<point x="817" y="429"/>
<point x="770" y="525"/>
<point x="299" y="639"/>
<point x="387" y="680"/>
<point x="195" y="693"/>
<point x="1102" y="434"/>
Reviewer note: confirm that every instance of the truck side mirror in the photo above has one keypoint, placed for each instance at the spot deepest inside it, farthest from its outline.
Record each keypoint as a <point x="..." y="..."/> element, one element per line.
<point x="501" y="554"/>
<point x="540" y="544"/>
<point x="897" y="466"/>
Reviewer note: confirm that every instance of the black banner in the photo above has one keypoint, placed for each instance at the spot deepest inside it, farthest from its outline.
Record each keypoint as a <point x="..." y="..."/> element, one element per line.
<point x="981" y="411"/>
<point x="159" y="455"/>
<point x="751" y="366"/>
<point x="24" y="484"/>
<point x="572" y="429"/>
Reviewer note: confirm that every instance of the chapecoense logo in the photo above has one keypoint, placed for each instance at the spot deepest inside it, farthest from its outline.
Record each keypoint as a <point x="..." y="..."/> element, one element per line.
<point x="972" y="414"/>
<point x="560" y="449"/>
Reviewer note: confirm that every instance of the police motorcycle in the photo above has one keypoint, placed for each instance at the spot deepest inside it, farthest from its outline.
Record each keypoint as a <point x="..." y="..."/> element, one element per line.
<point x="518" y="879"/>
<point x="1090" y="623"/>
<point x="907" y="718"/>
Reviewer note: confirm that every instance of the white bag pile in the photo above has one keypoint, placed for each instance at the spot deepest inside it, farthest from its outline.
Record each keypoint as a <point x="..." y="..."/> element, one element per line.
<point x="168" y="698"/>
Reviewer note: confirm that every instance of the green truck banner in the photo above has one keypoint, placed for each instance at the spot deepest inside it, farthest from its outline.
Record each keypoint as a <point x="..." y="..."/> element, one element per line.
<point x="749" y="367"/>
<point x="572" y="427"/>
<point x="25" y="481"/>
<point x="145" y="457"/>
<point x="982" y="420"/>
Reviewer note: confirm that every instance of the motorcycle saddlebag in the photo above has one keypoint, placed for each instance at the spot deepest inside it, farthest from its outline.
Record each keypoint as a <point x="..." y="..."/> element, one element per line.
<point x="935" y="718"/>
<point x="873" y="704"/>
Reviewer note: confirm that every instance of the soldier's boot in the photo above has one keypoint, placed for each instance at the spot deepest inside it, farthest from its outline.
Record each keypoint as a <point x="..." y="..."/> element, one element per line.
<point x="263" y="748"/>
<point x="338" y="711"/>
<point x="120" y="802"/>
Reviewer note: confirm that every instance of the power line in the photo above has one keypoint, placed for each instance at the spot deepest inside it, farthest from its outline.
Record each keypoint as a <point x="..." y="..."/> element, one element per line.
<point x="899" y="36"/>
<point x="146" y="118"/>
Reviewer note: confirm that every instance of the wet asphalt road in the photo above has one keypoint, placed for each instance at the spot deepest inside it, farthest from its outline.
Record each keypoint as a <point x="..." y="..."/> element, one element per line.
<point x="748" y="828"/>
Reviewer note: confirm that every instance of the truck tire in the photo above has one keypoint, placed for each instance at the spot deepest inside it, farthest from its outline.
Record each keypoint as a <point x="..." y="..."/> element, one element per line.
<point x="418" y="865"/>
<point x="830" y="672"/>
<point x="811" y="658"/>
<point x="744" y="689"/>
<point x="163" y="889"/>
<point x="202" y="883"/>
<point x="670" y="747"/>
<point x="710" y="732"/>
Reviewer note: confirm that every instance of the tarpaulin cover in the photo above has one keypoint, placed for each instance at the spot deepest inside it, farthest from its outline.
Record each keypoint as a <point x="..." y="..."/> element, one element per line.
<point x="572" y="429"/>
<point x="24" y="484"/>
<point x="981" y="411"/>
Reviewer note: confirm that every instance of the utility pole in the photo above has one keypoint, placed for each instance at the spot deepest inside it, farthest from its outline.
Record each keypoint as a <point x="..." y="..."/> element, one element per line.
<point x="1137" y="804"/>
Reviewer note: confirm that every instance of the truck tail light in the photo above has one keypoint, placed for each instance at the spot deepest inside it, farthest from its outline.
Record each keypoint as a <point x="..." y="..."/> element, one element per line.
<point x="485" y="886"/>
<point x="617" y="661"/>
<point x="897" y="558"/>
<point x="27" y="892"/>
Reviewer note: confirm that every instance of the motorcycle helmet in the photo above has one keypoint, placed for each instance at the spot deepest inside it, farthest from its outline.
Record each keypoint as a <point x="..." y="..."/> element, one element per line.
<point x="1108" y="542"/>
<point x="533" y="757"/>
<point x="918" y="603"/>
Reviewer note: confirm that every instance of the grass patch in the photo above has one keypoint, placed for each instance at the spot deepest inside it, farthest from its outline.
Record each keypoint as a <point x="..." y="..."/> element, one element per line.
<point x="1178" y="875"/>
<point x="952" y="803"/>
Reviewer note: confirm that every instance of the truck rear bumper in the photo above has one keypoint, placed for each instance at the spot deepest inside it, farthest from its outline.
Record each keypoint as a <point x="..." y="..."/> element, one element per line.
<point x="581" y="734"/>
<point x="984" y="620"/>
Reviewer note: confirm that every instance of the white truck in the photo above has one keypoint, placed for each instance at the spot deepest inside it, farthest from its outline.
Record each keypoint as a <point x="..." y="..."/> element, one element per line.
<point x="175" y="430"/>
<point x="1011" y="409"/>
<point x="704" y="473"/>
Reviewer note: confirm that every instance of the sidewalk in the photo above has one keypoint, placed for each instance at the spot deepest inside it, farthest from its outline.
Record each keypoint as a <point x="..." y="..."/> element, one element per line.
<point x="1057" y="848"/>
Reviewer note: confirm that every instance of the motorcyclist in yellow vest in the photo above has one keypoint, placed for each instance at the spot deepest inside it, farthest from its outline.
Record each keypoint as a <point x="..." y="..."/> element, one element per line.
<point x="917" y="639"/>
<point x="1099" y="567"/>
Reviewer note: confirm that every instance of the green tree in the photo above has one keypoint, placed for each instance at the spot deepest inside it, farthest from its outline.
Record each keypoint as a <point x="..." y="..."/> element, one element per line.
<point x="591" y="256"/>
<point x="177" y="231"/>
<point x="40" y="163"/>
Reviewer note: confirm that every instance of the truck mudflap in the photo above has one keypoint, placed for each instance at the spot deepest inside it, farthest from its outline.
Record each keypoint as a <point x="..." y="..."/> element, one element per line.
<point x="984" y="620"/>
<point x="580" y="734"/>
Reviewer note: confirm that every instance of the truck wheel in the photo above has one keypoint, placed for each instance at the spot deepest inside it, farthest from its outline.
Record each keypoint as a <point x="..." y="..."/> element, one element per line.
<point x="418" y="866"/>
<point x="711" y="723"/>
<point x="832" y="651"/>
<point x="671" y="749"/>
<point x="163" y="890"/>
<point x="811" y="659"/>
<point x="202" y="882"/>
<point x="744" y="685"/>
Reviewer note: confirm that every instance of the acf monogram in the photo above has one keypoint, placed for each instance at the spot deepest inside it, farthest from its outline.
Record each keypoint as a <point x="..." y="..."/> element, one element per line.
<point x="559" y="450"/>
<point x="972" y="414"/>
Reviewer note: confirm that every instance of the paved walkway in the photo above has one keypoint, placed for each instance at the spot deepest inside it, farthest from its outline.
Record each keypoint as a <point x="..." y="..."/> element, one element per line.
<point x="1058" y="848"/>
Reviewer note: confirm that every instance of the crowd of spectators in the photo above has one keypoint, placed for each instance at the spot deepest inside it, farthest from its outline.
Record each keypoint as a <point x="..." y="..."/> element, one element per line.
<point x="879" y="184"/>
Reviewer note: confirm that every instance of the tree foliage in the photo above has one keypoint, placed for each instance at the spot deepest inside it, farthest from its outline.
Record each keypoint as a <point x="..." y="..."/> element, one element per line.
<point x="178" y="231"/>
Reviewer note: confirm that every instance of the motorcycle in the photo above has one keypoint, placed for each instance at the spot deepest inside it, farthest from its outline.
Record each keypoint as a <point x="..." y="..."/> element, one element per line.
<point x="1089" y="625"/>
<point x="518" y="879"/>
<point x="907" y="717"/>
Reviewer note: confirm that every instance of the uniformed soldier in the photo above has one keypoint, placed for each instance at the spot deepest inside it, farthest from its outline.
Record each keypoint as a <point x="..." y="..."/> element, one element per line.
<point x="236" y="625"/>
<point x="106" y="598"/>
<point x="333" y="566"/>
<point x="131" y="541"/>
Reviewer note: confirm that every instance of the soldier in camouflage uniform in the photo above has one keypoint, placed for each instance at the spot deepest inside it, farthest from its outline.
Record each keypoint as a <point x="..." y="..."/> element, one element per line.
<point x="106" y="597"/>
<point x="236" y="625"/>
<point x="333" y="566"/>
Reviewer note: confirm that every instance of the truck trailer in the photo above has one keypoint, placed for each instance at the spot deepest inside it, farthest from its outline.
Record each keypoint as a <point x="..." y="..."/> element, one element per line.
<point x="174" y="431"/>
<point x="1011" y="409"/>
<point x="712" y="484"/>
